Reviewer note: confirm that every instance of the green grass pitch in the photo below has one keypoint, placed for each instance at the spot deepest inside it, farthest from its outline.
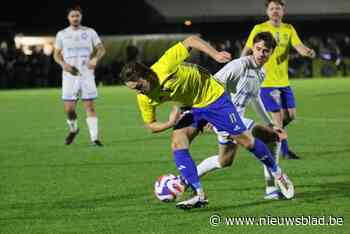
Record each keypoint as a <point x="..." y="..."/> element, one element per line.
<point x="46" y="187"/>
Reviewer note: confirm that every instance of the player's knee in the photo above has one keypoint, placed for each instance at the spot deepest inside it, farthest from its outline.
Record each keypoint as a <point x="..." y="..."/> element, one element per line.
<point x="178" y="141"/>
<point x="90" y="110"/>
<point x="71" y="114"/>
<point x="226" y="161"/>
<point x="265" y="134"/>
<point x="292" y="116"/>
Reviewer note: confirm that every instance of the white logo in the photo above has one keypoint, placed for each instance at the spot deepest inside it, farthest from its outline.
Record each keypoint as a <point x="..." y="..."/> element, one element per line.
<point x="181" y="167"/>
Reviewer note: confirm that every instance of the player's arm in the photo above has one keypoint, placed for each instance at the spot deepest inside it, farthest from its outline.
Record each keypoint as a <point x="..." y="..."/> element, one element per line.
<point x="201" y="45"/>
<point x="148" y="112"/>
<point x="57" y="56"/>
<point x="260" y="109"/>
<point x="299" y="46"/>
<point x="98" y="46"/>
<point x="100" y="52"/>
<point x="305" y="51"/>
<point x="156" y="126"/>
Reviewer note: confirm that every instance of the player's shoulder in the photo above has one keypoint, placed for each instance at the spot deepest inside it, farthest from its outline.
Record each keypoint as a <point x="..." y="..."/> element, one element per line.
<point x="244" y="62"/>
<point x="87" y="29"/>
<point x="287" y="26"/>
<point x="63" y="31"/>
<point x="262" y="26"/>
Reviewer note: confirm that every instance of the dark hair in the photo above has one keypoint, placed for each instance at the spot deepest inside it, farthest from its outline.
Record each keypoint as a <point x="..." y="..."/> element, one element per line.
<point x="134" y="71"/>
<point x="281" y="2"/>
<point x="267" y="37"/>
<point x="74" y="8"/>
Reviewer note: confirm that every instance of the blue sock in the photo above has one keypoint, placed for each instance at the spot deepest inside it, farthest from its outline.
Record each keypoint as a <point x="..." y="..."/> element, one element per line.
<point x="284" y="147"/>
<point x="187" y="168"/>
<point x="263" y="153"/>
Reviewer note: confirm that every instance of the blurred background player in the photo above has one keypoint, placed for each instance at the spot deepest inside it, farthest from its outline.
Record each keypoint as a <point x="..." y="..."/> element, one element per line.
<point x="73" y="51"/>
<point x="276" y="92"/>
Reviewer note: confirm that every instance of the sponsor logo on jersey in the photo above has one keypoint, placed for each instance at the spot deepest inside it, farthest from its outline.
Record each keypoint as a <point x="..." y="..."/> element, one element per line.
<point x="84" y="36"/>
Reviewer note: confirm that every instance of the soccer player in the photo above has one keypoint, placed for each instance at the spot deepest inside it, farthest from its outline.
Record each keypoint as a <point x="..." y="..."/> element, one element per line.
<point x="276" y="92"/>
<point x="170" y="79"/>
<point x="242" y="79"/>
<point x="73" y="52"/>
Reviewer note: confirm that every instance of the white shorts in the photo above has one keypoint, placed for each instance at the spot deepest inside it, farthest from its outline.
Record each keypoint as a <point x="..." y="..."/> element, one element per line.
<point x="223" y="137"/>
<point x="76" y="87"/>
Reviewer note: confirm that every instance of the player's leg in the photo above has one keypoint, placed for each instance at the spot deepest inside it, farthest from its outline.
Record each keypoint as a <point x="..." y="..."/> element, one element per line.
<point x="223" y="115"/>
<point x="224" y="159"/>
<point x="70" y="88"/>
<point x="271" y="139"/>
<point x="262" y="153"/>
<point x="92" y="122"/>
<point x="89" y="94"/>
<point x="289" y="114"/>
<point x="180" y="142"/>
<point x="271" y="98"/>
<point x="227" y="151"/>
<point x="69" y="109"/>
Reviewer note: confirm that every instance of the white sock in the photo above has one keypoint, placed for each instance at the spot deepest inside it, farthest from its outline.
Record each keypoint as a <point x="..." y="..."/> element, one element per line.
<point x="73" y="125"/>
<point x="93" y="128"/>
<point x="210" y="164"/>
<point x="277" y="152"/>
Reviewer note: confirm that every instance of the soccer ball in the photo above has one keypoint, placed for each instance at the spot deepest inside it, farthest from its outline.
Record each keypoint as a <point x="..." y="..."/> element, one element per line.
<point x="168" y="188"/>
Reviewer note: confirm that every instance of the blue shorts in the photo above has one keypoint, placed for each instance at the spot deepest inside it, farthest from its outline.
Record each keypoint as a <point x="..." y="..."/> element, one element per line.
<point x="275" y="99"/>
<point x="222" y="114"/>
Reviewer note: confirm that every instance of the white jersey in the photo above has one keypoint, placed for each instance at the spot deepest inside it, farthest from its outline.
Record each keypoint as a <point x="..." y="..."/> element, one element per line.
<point x="77" y="47"/>
<point x="242" y="78"/>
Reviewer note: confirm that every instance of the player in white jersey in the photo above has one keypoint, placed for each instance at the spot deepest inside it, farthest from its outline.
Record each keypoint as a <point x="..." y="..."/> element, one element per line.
<point x="74" y="48"/>
<point x="242" y="79"/>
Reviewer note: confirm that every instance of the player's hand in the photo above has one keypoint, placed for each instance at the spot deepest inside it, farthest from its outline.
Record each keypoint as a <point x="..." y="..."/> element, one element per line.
<point x="174" y="115"/>
<point x="92" y="64"/>
<point x="209" y="128"/>
<point x="68" y="68"/>
<point x="222" y="57"/>
<point x="311" y="53"/>
<point x="282" y="135"/>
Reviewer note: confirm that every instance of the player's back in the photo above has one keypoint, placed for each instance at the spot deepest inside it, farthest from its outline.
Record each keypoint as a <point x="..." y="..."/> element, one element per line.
<point x="186" y="83"/>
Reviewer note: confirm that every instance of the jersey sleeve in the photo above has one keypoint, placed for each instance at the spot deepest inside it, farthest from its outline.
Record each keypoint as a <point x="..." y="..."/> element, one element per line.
<point x="249" y="43"/>
<point x="58" y="41"/>
<point x="169" y="62"/>
<point x="295" y="40"/>
<point x="95" y="38"/>
<point x="148" y="111"/>
<point x="230" y="71"/>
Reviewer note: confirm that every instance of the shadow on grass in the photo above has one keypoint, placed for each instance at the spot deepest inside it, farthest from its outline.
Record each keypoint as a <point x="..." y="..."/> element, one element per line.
<point x="325" y="152"/>
<point x="325" y="191"/>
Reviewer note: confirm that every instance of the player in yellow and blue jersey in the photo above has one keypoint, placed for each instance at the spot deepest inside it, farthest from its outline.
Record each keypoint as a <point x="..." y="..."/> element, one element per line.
<point x="171" y="79"/>
<point x="276" y="92"/>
